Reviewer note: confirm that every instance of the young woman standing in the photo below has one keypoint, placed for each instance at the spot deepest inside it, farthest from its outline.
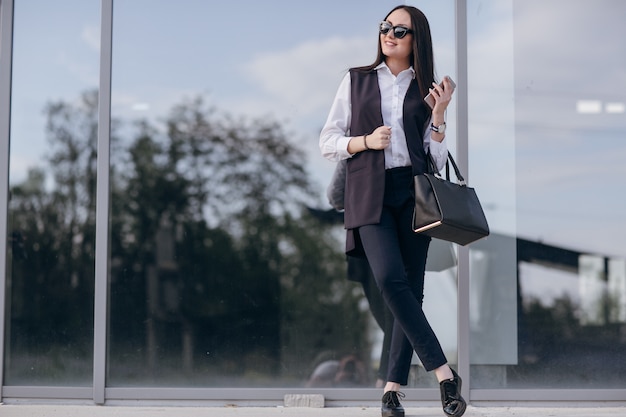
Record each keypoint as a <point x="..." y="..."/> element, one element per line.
<point x="380" y="123"/>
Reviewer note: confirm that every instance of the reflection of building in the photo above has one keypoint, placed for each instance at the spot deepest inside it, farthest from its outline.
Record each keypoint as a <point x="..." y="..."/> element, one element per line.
<point x="164" y="299"/>
<point x="602" y="282"/>
<point x="617" y="290"/>
<point x="502" y="324"/>
<point x="592" y="319"/>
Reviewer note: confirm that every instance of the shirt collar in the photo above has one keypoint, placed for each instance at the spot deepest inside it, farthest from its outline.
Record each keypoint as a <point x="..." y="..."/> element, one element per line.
<point x="384" y="65"/>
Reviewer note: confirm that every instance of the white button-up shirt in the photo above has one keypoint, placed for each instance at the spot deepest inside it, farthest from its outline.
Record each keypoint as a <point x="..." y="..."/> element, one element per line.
<point x="335" y="134"/>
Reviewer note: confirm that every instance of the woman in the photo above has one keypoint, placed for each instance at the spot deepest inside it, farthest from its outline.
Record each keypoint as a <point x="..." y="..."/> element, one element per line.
<point x="381" y="125"/>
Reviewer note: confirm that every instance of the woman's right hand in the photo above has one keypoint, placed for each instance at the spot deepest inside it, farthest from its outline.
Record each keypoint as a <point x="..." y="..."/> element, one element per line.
<point x="380" y="138"/>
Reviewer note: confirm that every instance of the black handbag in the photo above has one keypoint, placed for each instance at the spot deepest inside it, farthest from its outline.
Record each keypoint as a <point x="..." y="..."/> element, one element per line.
<point x="447" y="210"/>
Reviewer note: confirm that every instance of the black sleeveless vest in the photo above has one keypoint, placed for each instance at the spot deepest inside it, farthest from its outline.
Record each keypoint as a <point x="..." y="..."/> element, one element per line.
<point x="365" y="171"/>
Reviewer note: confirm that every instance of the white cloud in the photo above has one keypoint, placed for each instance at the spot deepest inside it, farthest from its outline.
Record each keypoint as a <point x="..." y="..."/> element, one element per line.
<point x="91" y="36"/>
<point x="21" y="163"/>
<point x="308" y="75"/>
<point x="297" y="85"/>
<point x="84" y="71"/>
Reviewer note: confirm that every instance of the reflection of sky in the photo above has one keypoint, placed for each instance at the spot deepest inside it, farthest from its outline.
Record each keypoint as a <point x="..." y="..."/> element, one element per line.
<point x="267" y="59"/>
<point x="570" y="164"/>
<point x="525" y="130"/>
<point x="284" y="59"/>
<point x="256" y="58"/>
<point x="55" y="55"/>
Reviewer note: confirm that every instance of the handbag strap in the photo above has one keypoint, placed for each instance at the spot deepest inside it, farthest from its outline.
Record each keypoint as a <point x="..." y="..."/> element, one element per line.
<point x="432" y="168"/>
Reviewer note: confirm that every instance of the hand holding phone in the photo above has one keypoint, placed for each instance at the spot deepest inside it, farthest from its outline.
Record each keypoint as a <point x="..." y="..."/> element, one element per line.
<point x="431" y="100"/>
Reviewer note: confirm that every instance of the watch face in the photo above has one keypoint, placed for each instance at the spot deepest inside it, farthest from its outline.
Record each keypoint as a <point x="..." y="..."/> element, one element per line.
<point x="439" y="129"/>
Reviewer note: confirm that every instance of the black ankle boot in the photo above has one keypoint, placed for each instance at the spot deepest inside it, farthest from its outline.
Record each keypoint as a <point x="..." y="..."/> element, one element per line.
<point x="453" y="404"/>
<point x="391" y="404"/>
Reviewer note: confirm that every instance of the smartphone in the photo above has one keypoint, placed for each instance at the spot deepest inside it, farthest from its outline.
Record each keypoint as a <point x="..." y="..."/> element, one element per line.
<point x="431" y="100"/>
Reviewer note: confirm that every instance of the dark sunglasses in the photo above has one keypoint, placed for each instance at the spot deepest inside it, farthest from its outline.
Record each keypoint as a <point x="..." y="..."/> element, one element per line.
<point x="398" y="31"/>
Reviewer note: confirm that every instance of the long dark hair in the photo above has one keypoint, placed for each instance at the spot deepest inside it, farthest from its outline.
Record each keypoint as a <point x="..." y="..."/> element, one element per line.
<point x="421" y="58"/>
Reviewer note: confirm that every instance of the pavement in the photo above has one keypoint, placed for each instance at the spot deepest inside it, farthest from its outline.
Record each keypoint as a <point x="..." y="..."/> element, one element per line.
<point x="64" y="410"/>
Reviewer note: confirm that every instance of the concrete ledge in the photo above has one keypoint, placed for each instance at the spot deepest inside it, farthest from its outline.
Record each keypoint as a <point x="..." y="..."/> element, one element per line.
<point x="304" y="400"/>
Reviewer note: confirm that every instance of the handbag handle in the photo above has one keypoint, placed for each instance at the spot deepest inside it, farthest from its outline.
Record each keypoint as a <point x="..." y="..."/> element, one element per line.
<point x="432" y="168"/>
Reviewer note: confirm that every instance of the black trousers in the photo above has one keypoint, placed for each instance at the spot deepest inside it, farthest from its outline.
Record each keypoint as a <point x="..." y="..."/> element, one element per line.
<point x="359" y="270"/>
<point x="397" y="257"/>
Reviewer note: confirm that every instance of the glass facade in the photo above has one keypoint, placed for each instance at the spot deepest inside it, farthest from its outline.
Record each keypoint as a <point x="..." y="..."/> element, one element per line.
<point x="548" y="287"/>
<point x="51" y="204"/>
<point x="224" y="265"/>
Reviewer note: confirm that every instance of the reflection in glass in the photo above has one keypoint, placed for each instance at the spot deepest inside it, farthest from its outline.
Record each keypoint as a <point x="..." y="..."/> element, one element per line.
<point x="216" y="278"/>
<point x="50" y="268"/>
<point x="548" y="294"/>
<point x="221" y="275"/>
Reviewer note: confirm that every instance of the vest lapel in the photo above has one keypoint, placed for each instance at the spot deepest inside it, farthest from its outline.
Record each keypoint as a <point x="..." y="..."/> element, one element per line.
<point x="414" y="126"/>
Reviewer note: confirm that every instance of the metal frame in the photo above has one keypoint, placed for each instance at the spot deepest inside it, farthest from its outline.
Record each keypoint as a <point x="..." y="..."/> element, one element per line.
<point x="6" y="53"/>
<point x="50" y="393"/>
<point x="550" y="397"/>
<point x="101" y="394"/>
<point x="101" y="287"/>
<point x="462" y="123"/>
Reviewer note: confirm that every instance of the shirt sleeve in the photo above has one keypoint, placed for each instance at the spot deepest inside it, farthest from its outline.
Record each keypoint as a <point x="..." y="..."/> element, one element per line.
<point x="334" y="137"/>
<point x="438" y="150"/>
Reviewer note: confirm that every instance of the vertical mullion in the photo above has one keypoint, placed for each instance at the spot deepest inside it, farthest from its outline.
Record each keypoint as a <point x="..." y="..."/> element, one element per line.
<point x="462" y="135"/>
<point x="6" y="58"/>
<point x="102" y="205"/>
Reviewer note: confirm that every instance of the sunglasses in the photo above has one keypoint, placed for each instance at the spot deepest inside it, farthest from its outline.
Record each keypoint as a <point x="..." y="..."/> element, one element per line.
<point x="398" y="31"/>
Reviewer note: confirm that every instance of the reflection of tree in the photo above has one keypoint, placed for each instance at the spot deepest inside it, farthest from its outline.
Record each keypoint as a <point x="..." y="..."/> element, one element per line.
<point x="555" y="347"/>
<point x="215" y="266"/>
<point x="52" y="275"/>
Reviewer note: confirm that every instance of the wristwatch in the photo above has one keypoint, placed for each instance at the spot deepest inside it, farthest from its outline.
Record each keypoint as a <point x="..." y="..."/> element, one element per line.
<point x="439" y="129"/>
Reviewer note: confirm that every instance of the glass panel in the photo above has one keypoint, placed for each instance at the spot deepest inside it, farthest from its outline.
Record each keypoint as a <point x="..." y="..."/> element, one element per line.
<point x="569" y="239"/>
<point x="50" y="269"/>
<point x="440" y="287"/>
<point x="493" y="270"/>
<point x="220" y="275"/>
